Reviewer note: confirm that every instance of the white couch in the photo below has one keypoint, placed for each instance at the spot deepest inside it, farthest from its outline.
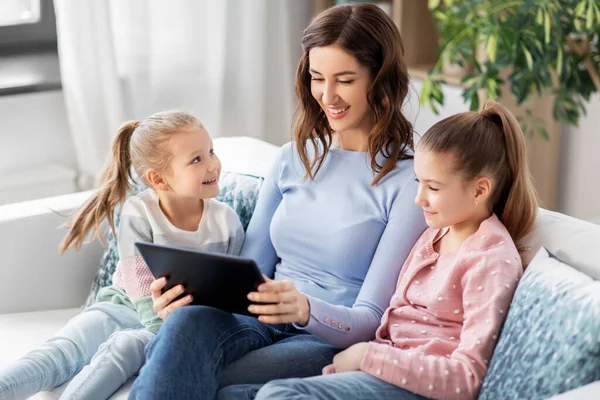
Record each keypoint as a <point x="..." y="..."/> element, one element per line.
<point x="40" y="291"/>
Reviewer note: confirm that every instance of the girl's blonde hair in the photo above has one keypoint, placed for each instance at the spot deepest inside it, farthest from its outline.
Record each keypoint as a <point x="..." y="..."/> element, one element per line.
<point x="137" y="145"/>
<point x="491" y="141"/>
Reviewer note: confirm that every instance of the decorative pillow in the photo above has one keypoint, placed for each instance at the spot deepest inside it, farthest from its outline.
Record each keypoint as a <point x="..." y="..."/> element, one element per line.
<point x="240" y="191"/>
<point x="550" y="342"/>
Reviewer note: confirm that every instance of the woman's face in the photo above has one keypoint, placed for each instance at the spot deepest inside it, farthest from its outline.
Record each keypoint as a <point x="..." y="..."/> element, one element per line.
<point x="340" y="84"/>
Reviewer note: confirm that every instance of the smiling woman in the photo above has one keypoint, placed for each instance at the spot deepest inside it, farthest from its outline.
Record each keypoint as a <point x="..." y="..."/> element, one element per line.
<point x="359" y="78"/>
<point x="333" y="224"/>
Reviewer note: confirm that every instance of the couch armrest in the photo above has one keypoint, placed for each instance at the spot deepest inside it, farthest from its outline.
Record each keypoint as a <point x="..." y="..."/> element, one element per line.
<point x="589" y="391"/>
<point x="33" y="276"/>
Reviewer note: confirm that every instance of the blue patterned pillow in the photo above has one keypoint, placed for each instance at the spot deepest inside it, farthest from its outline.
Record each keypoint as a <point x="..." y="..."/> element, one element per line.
<point x="550" y="342"/>
<point x="240" y="191"/>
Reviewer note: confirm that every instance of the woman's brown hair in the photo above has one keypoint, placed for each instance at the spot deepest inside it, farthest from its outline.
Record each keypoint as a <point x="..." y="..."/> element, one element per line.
<point x="370" y="35"/>
<point x="491" y="142"/>
<point x="137" y="145"/>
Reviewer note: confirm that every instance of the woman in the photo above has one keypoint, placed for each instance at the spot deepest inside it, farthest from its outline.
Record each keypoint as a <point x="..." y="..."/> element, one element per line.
<point x="332" y="227"/>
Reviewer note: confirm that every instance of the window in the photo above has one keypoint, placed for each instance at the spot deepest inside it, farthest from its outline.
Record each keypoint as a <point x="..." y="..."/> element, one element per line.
<point x="28" y="48"/>
<point x="18" y="12"/>
<point x="27" y="26"/>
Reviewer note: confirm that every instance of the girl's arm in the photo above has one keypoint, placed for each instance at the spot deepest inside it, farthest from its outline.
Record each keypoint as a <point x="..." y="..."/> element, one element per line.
<point x="344" y="326"/>
<point x="133" y="275"/>
<point x="236" y="232"/>
<point x="487" y="292"/>
<point x="258" y="245"/>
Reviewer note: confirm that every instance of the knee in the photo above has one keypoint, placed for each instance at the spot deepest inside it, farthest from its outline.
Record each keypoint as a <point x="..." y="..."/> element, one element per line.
<point x="191" y="320"/>
<point x="281" y="389"/>
<point x="238" y="392"/>
<point x="128" y="342"/>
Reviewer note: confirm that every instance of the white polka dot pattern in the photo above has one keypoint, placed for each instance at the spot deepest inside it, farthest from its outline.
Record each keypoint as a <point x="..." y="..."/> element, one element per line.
<point x="134" y="277"/>
<point x="452" y="325"/>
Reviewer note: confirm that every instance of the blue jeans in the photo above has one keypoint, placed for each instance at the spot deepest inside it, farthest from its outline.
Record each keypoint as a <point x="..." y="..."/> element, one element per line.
<point x="201" y="349"/>
<point x="101" y="348"/>
<point x="356" y="385"/>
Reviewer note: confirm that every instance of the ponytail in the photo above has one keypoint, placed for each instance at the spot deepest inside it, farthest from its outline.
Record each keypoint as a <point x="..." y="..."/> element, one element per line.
<point x="113" y="186"/>
<point x="517" y="203"/>
<point x="491" y="142"/>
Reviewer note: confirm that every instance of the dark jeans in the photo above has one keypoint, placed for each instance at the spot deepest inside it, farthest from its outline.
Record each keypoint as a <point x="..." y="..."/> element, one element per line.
<point x="201" y="349"/>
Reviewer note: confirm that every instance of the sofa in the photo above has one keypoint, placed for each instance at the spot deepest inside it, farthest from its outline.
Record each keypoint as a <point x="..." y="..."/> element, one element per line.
<point x="40" y="291"/>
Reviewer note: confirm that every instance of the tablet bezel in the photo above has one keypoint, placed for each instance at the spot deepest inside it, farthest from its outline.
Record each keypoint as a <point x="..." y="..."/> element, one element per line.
<point x="213" y="279"/>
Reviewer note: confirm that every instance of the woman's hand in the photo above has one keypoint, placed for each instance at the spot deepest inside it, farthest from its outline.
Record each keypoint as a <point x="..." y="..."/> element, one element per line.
<point x="163" y="302"/>
<point x="348" y="360"/>
<point x="287" y="304"/>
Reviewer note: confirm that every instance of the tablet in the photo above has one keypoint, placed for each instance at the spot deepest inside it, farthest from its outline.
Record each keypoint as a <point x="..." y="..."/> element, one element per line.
<point x="214" y="279"/>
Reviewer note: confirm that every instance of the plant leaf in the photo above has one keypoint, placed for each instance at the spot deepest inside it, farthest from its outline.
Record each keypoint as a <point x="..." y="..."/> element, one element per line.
<point x="491" y="47"/>
<point x="580" y="9"/>
<point x="547" y="27"/>
<point x="527" y="57"/>
<point x="559" y="60"/>
<point x="433" y="4"/>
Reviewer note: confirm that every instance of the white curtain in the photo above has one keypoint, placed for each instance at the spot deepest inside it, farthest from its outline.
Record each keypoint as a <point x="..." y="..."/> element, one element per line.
<point x="229" y="62"/>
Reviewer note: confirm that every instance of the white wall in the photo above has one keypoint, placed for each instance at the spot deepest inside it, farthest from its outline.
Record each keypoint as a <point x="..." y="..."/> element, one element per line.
<point x="36" y="153"/>
<point x="34" y="131"/>
<point x="422" y="117"/>
<point x="579" y="180"/>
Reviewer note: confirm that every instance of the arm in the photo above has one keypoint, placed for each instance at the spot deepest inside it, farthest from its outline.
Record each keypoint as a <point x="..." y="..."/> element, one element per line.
<point x="133" y="275"/>
<point x="236" y="233"/>
<point x="258" y="245"/>
<point x="460" y="375"/>
<point x="359" y="322"/>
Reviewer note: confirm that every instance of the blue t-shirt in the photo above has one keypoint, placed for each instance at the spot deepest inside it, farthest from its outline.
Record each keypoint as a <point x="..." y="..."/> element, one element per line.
<point x="340" y="240"/>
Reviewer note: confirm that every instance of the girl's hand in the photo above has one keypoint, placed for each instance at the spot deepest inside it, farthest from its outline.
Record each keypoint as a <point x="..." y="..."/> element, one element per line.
<point x="347" y="360"/>
<point x="287" y="304"/>
<point x="163" y="302"/>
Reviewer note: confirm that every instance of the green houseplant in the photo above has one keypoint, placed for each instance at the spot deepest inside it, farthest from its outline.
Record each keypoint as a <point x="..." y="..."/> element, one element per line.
<point x="535" y="46"/>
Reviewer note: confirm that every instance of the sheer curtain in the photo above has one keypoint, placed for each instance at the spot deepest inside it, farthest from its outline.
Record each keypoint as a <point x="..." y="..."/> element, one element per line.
<point x="229" y="62"/>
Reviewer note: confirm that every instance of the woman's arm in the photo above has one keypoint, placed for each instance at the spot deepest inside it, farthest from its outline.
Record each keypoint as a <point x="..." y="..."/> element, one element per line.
<point x="258" y="245"/>
<point x="344" y="326"/>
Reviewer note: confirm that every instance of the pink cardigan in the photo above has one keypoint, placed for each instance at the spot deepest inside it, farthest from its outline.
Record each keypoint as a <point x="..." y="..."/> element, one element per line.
<point x="438" y="334"/>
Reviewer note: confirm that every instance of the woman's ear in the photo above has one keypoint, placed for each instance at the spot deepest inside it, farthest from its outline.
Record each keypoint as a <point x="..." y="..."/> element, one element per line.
<point x="156" y="180"/>
<point x="483" y="190"/>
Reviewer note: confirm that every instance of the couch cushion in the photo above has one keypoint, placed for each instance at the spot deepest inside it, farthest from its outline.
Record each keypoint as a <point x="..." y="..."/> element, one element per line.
<point x="550" y="342"/>
<point x="238" y="190"/>
<point x="571" y="240"/>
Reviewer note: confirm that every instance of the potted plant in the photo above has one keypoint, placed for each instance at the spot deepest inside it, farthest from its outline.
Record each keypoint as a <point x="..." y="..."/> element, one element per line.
<point x="535" y="46"/>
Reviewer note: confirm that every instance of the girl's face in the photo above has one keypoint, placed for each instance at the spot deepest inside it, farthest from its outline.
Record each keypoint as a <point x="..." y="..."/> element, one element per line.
<point x="195" y="168"/>
<point x="446" y="198"/>
<point x="340" y="84"/>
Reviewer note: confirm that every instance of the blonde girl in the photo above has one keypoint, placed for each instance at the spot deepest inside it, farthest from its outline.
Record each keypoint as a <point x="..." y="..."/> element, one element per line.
<point x="103" y="346"/>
